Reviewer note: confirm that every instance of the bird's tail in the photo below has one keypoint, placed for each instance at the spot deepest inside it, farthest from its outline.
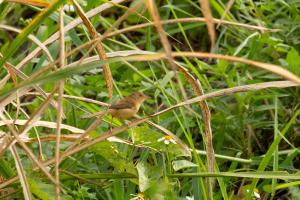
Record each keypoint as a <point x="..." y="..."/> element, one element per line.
<point x="97" y="114"/>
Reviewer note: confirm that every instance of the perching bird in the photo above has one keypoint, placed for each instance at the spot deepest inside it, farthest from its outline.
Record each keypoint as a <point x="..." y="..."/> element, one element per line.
<point x="124" y="108"/>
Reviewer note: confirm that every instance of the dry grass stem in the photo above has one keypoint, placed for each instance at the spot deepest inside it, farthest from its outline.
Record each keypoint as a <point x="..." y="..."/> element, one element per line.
<point x="36" y="115"/>
<point x="195" y="85"/>
<point x="209" y="20"/>
<point x="21" y="173"/>
<point x="92" y="127"/>
<point x="68" y="27"/>
<point x="34" y="39"/>
<point x="162" y="35"/>
<point x="266" y="66"/>
<point x="45" y="124"/>
<point x="228" y="6"/>
<point x="117" y="23"/>
<point x="49" y="138"/>
<point x="171" y="21"/>
<point x="222" y="92"/>
<point x="74" y="98"/>
<point x="24" y="77"/>
<point x="60" y="86"/>
<point x="27" y="149"/>
<point x="115" y="131"/>
<point x="99" y="48"/>
<point x="38" y="3"/>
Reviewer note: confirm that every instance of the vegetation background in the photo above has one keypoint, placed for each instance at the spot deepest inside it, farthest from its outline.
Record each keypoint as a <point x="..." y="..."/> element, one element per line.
<point x="222" y="121"/>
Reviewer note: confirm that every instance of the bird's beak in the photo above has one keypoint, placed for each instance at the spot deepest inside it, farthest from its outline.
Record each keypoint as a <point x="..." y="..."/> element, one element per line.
<point x="147" y="97"/>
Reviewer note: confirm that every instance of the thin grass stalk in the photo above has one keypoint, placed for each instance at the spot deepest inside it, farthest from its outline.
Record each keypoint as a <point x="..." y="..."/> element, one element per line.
<point x="32" y="119"/>
<point x="275" y="155"/>
<point x="92" y="127"/>
<point x="209" y="20"/>
<point x="95" y="11"/>
<point x="21" y="173"/>
<point x="23" y="76"/>
<point x="162" y="35"/>
<point x="227" y="9"/>
<point x="46" y="124"/>
<point x="38" y="3"/>
<point x="222" y="92"/>
<point x="254" y="175"/>
<point x="117" y="23"/>
<point x="150" y="57"/>
<point x="27" y="149"/>
<point x="196" y="87"/>
<point x="60" y="103"/>
<point x="68" y="27"/>
<point x="36" y="115"/>
<point x="268" y="156"/>
<point x="99" y="48"/>
<point x="20" y="39"/>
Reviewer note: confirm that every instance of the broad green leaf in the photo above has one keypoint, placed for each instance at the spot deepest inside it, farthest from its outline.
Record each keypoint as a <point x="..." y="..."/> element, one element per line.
<point x="262" y="175"/>
<point x="149" y="138"/>
<point x="5" y="169"/>
<point x="181" y="164"/>
<point x="114" y="155"/>
<point x="293" y="59"/>
<point x="40" y="189"/>
<point x="143" y="172"/>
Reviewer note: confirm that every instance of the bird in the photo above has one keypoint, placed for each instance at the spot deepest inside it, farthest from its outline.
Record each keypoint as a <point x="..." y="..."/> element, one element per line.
<point x="124" y="108"/>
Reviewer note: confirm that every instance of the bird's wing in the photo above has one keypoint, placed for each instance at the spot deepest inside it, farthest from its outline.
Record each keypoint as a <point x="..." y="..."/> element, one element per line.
<point x="122" y="104"/>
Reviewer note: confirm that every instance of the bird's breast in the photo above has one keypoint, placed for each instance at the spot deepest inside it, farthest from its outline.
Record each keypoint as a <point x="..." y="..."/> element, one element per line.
<point x="124" y="113"/>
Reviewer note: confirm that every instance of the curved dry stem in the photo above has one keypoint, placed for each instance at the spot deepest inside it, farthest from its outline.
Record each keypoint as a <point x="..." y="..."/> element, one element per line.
<point x="36" y="115"/>
<point x="228" y="7"/>
<point x="99" y="48"/>
<point x="170" y="21"/>
<point x="33" y="39"/>
<point x="23" y="76"/>
<point x="74" y="98"/>
<point x="68" y="27"/>
<point x="209" y="20"/>
<point x="222" y="92"/>
<point x="21" y="173"/>
<point x="105" y="6"/>
<point x="27" y="150"/>
<point x="266" y="66"/>
<point x="195" y="85"/>
<point x="45" y="124"/>
<point x="116" y="131"/>
<point x="66" y="138"/>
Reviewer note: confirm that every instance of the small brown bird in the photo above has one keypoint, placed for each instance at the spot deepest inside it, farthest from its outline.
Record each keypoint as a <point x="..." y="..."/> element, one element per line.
<point x="124" y="108"/>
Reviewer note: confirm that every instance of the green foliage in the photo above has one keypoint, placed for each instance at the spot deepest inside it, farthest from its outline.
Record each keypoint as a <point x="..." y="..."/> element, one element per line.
<point x="255" y="134"/>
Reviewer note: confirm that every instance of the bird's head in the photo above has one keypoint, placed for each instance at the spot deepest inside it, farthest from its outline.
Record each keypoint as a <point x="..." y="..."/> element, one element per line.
<point x="138" y="97"/>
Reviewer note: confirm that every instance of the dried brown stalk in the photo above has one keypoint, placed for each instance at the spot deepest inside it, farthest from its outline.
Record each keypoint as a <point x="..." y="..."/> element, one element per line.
<point x="39" y="3"/>
<point x="209" y="20"/>
<point x="60" y="86"/>
<point x="222" y="92"/>
<point x="99" y="48"/>
<point x="27" y="150"/>
<point x="228" y="6"/>
<point x="115" y="131"/>
<point x="21" y="173"/>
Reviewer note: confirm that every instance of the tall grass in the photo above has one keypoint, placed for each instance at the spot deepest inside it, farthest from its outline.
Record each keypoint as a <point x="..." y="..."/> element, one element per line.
<point x="223" y="78"/>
